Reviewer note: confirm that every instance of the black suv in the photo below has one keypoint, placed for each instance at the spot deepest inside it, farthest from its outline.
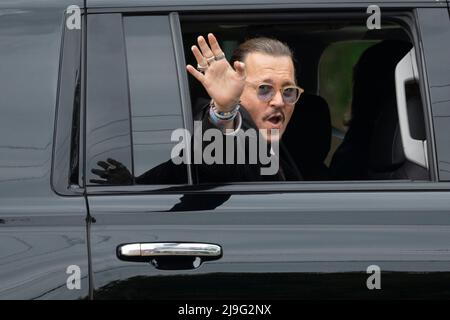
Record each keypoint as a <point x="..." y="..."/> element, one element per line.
<point x="85" y="81"/>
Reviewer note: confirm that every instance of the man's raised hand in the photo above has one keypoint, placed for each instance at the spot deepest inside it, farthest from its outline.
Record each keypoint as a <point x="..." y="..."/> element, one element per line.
<point x="223" y="83"/>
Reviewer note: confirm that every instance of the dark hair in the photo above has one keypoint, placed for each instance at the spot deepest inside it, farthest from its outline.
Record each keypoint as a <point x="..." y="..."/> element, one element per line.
<point x="269" y="46"/>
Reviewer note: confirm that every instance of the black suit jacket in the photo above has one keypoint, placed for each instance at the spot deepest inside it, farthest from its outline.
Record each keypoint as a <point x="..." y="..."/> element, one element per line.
<point x="169" y="173"/>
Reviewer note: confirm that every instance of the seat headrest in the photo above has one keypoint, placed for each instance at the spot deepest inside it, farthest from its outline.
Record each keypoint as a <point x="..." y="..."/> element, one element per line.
<point x="308" y="136"/>
<point x="373" y="78"/>
<point x="374" y="105"/>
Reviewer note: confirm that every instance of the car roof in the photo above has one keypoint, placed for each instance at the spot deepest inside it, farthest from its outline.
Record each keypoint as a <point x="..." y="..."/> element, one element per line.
<point x="211" y="3"/>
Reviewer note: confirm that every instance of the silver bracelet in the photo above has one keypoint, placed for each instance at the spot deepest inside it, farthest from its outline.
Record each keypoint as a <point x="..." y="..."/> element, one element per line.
<point x="223" y="115"/>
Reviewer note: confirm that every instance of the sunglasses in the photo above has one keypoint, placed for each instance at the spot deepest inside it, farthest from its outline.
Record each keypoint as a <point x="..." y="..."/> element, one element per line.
<point x="265" y="92"/>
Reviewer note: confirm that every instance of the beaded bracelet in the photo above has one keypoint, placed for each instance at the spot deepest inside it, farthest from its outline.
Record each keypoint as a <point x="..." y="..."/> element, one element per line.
<point x="223" y="115"/>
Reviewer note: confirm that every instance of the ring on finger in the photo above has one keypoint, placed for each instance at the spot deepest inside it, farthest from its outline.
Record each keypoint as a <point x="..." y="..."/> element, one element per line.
<point x="210" y="60"/>
<point x="202" y="68"/>
<point x="220" y="56"/>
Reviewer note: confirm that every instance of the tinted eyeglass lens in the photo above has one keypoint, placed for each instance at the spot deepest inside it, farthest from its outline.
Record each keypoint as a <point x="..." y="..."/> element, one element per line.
<point x="290" y="95"/>
<point x="265" y="92"/>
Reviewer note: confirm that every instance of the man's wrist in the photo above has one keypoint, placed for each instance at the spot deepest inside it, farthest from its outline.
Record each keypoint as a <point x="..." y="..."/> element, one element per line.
<point x="218" y="113"/>
<point x="226" y="121"/>
<point x="221" y="108"/>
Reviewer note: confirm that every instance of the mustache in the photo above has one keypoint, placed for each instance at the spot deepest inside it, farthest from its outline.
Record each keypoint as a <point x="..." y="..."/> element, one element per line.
<point x="275" y="114"/>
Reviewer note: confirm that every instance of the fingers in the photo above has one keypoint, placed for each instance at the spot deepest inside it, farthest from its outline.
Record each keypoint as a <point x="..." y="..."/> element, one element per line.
<point x="114" y="162"/>
<point x="204" y="55"/>
<point x="214" y="45"/>
<point x="197" y="74"/>
<point x="106" y="165"/>
<point x="101" y="173"/>
<point x="200" y="61"/>
<point x="206" y="51"/>
<point x="198" y="56"/>
<point x="114" y="172"/>
<point x="103" y="164"/>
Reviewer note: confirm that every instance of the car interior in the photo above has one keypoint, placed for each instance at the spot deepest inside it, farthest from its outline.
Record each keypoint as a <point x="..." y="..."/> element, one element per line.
<point x="364" y="143"/>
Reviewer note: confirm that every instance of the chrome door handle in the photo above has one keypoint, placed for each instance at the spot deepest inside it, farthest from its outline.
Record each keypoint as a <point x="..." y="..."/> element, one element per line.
<point x="169" y="249"/>
<point x="170" y="255"/>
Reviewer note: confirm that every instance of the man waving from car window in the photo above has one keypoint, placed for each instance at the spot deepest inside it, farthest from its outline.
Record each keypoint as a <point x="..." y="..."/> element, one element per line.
<point x="258" y="91"/>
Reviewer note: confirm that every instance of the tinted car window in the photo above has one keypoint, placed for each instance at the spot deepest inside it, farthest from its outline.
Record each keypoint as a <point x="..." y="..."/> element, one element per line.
<point x="154" y="94"/>
<point x="107" y="122"/>
<point x="340" y="72"/>
<point x="133" y="101"/>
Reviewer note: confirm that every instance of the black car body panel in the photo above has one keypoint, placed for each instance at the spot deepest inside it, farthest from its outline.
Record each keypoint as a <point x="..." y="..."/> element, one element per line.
<point x="41" y="233"/>
<point x="292" y="237"/>
<point x="435" y="27"/>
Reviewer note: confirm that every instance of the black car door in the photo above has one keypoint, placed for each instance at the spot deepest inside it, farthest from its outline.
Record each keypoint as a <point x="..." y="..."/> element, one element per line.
<point x="271" y="240"/>
<point x="43" y="247"/>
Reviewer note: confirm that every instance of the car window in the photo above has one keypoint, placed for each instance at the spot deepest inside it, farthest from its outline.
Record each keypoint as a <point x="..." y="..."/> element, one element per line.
<point x="349" y="123"/>
<point x="154" y="93"/>
<point x="134" y="107"/>
<point x="107" y="110"/>
<point x="133" y="101"/>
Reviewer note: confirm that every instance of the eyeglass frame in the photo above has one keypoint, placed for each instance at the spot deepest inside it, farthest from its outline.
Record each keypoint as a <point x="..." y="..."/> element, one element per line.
<point x="256" y="86"/>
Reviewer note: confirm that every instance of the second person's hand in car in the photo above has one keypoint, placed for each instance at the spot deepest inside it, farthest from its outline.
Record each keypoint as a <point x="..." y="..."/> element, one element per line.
<point x="114" y="173"/>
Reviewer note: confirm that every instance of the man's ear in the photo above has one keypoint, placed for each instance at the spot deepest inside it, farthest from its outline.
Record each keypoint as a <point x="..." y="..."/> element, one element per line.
<point x="239" y="67"/>
<point x="232" y="62"/>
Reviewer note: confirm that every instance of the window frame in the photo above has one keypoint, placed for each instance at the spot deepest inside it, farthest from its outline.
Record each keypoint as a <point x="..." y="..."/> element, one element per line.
<point x="406" y="17"/>
<point x="182" y="84"/>
<point x="62" y="126"/>
<point x="432" y="56"/>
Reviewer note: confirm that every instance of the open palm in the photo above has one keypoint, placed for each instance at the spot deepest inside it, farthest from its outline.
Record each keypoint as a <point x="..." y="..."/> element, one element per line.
<point x="223" y="83"/>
